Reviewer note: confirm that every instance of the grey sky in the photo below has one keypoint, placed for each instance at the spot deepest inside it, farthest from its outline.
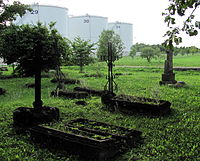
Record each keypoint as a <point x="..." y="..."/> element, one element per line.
<point x="145" y="15"/>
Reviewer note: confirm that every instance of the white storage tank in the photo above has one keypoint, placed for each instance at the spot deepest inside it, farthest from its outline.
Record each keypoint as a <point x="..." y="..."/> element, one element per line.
<point x="87" y="27"/>
<point x="125" y="31"/>
<point x="46" y="14"/>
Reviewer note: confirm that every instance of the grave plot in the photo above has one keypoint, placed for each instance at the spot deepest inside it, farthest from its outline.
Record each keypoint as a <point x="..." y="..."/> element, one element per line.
<point x="87" y="138"/>
<point x="125" y="136"/>
<point x="129" y="104"/>
<point x="86" y="144"/>
<point x="90" y="91"/>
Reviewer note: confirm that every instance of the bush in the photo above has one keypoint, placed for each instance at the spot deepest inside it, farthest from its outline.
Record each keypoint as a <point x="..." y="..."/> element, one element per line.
<point x="20" y="43"/>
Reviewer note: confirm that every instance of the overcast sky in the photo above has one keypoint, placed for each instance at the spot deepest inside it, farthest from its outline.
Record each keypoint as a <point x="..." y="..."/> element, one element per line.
<point x="145" y="15"/>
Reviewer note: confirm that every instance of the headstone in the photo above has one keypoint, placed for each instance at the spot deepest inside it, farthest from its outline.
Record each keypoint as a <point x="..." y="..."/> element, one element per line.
<point x="168" y="77"/>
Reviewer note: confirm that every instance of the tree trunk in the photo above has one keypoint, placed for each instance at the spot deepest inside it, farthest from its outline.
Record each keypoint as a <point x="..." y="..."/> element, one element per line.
<point x="148" y="59"/>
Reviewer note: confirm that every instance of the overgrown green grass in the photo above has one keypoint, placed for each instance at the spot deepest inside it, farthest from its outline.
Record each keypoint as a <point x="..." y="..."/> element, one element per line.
<point x="179" y="61"/>
<point x="173" y="137"/>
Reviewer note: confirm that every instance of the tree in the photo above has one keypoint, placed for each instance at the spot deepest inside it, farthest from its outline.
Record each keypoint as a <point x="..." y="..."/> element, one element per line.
<point x="82" y="52"/>
<point x="149" y="53"/>
<point x="117" y="44"/>
<point x="139" y="47"/>
<point x="132" y="52"/>
<point x="67" y="58"/>
<point x="180" y="8"/>
<point x="18" y="44"/>
<point x="8" y="12"/>
<point x="193" y="50"/>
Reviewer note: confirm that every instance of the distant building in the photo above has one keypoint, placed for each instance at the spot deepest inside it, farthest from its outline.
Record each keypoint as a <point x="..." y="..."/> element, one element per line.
<point x="87" y="27"/>
<point x="1" y="62"/>
<point x="138" y="53"/>
<point x="125" y="31"/>
<point x="46" y="14"/>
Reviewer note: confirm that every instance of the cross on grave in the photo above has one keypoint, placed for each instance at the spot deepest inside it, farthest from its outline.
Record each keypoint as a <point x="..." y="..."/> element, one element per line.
<point x="37" y="61"/>
<point x="110" y="58"/>
<point x="24" y="117"/>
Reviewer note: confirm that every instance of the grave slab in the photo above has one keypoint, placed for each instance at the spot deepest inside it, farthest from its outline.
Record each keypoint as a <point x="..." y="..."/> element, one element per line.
<point x="78" y="142"/>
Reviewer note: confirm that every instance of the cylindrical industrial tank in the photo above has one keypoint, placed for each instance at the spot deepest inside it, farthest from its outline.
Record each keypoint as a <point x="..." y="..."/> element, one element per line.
<point x="87" y="27"/>
<point x="125" y="31"/>
<point x="46" y="14"/>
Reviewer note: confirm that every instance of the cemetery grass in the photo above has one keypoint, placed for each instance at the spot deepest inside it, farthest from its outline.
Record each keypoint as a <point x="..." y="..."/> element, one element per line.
<point x="172" y="137"/>
<point x="178" y="61"/>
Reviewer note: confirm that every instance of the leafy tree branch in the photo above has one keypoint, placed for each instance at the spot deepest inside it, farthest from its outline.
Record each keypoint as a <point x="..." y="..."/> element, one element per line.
<point x="190" y="26"/>
<point x="8" y="12"/>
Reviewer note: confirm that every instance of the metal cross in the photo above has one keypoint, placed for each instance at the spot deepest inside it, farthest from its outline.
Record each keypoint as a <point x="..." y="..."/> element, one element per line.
<point x="110" y="58"/>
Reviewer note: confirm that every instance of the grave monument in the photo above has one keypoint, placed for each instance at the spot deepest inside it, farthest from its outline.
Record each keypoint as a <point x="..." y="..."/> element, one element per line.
<point x="27" y="117"/>
<point x="168" y="77"/>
